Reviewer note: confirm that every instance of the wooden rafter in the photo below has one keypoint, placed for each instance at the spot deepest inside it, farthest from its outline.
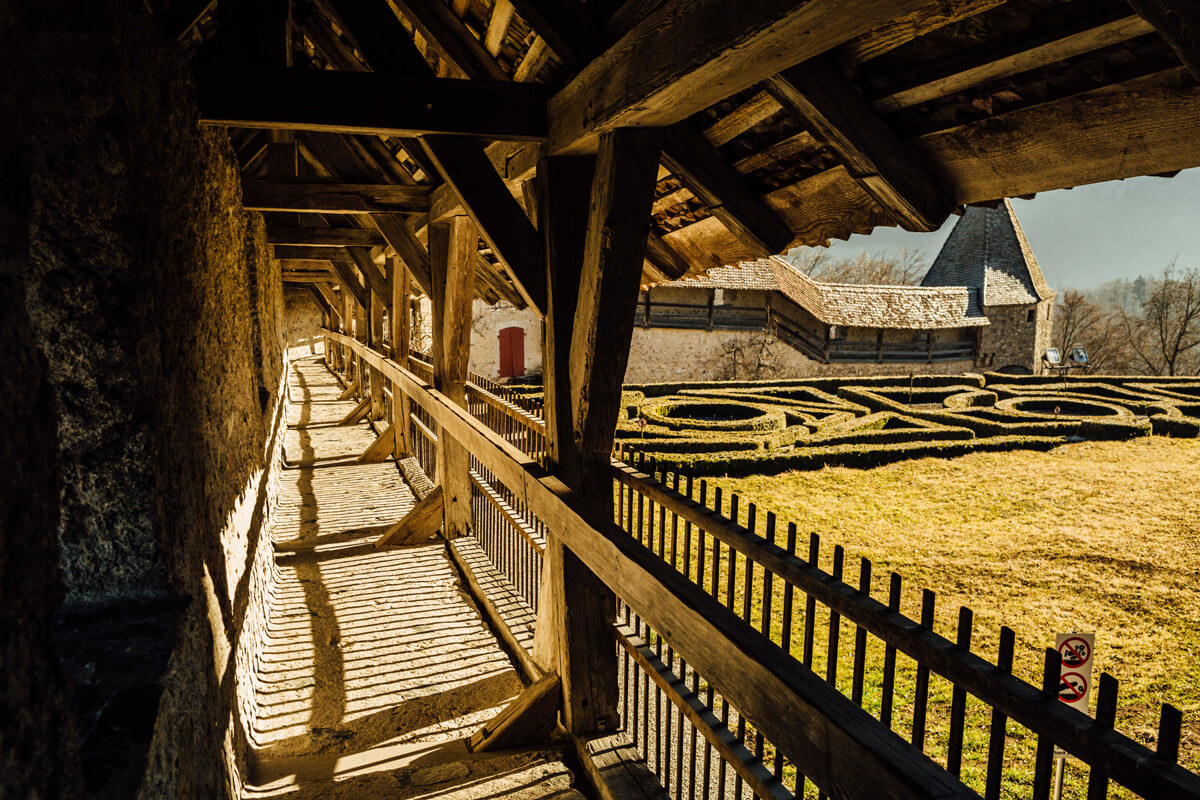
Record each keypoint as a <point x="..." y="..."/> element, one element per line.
<point x="818" y="94"/>
<point x="348" y="102"/>
<point x="502" y="222"/>
<point x="281" y="194"/>
<point x="1178" y="22"/>
<point x="978" y="66"/>
<point x="350" y="282"/>
<point x="688" y="46"/>
<point x="324" y="237"/>
<point x="698" y="167"/>
<point x="686" y="153"/>
<point x="438" y="24"/>
<point x="902" y="29"/>
<point x="376" y="278"/>
<point x="497" y="27"/>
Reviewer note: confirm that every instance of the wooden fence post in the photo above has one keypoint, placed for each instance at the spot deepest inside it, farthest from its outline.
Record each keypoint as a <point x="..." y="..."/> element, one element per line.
<point x="595" y="242"/>
<point x="453" y="250"/>
<point x="401" y="335"/>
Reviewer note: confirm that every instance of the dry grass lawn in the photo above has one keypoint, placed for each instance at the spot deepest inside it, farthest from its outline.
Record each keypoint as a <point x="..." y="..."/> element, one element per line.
<point x="1101" y="537"/>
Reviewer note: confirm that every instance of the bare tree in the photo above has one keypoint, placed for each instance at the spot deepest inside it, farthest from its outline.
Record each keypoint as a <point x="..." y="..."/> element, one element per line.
<point x="1078" y="321"/>
<point x="905" y="268"/>
<point x="1165" y="337"/>
<point x="748" y="359"/>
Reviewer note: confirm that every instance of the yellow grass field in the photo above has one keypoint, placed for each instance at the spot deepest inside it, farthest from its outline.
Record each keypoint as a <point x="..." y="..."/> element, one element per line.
<point x="1101" y="537"/>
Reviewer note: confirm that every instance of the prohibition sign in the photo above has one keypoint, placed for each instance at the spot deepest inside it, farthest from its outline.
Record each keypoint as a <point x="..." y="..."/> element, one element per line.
<point x="1075" y="652"/>
<point x="1072" y="687"/>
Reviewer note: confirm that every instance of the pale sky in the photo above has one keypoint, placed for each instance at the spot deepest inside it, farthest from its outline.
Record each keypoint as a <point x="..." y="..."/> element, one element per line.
<point x="1085" y="236"/>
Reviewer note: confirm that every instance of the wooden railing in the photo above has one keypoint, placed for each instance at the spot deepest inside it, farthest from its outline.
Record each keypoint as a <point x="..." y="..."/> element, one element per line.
<point x="721" y="628"/>
<point x="698" y="316"/>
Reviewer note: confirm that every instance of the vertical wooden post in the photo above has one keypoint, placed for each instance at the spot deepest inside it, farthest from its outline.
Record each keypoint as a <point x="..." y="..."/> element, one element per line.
<point x="375" y="339"/>
<point x="595" y="243"/>
<point x="400" y="322"/>
<point x="453" y="249"/>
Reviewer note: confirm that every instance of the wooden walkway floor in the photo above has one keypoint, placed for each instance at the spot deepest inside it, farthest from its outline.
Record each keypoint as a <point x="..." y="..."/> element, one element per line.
<point x="377" y="664"/>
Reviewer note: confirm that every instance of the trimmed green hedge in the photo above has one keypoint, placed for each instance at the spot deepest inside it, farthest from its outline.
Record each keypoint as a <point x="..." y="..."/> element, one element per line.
<point x="860" y="456"/>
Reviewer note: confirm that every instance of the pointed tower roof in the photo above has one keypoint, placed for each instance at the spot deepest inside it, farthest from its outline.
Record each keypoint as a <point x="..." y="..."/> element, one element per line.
<point x="987" y="250"/>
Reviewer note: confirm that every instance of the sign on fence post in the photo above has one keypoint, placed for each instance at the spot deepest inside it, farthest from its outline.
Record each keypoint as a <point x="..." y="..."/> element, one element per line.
<point x="1074" y="684"/>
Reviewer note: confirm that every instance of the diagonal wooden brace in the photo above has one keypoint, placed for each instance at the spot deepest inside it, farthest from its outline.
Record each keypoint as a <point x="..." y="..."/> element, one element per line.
<point x="529" y="719"/>
<point x="351" y="390"/>
<point x="358" y="413"/>
<point x="381" y="449"/>
<point x="418" y="525"/>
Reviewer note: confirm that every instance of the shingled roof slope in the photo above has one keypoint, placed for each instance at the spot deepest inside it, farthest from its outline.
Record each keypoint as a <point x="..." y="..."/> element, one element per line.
<point x="849" y="305"/>
<point x="987" y="250"/>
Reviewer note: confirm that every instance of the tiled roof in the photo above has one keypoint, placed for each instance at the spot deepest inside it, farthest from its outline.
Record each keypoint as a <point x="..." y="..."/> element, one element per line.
<point x="987" y="250"/>
<point x="850" y="305"/>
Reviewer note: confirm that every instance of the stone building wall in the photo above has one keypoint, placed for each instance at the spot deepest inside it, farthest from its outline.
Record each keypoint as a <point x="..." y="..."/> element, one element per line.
<point x="1013" y="340"/>
<point x="487" y="322"/>
<point x="304" y="319"/>
<point x="658" y="355"/>
<point x="151" y="296"/>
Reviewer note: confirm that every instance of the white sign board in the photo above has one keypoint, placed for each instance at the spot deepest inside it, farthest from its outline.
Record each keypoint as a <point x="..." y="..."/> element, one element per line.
<point x="1075" y="676"/>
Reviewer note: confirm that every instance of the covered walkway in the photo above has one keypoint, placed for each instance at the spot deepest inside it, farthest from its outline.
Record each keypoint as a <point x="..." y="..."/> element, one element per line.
<point x="377" y="665"/>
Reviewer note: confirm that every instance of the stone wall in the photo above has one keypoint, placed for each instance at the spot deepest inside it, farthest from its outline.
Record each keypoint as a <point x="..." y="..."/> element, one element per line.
<point x="1012" y="340"/>
<point x="152" y="297"/>
<point x="304" y="321"/>
<point x="659" y="355"/>
<point x="487" y="322"/>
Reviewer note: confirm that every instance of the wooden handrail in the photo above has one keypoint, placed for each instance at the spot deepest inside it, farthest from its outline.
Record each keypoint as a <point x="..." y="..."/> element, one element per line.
<point x="1127" y="762"/>
<point x="838" y="745"/>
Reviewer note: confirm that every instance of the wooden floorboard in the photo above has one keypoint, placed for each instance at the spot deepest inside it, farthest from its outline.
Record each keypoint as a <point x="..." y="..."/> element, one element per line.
<point x="377" y="663"/>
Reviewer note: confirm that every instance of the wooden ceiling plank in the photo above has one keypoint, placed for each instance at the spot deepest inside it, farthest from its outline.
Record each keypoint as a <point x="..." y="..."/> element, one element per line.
<point x="501" y="221"/>
<point x="438" y="24"/>
<point x="780" y="151"/>
<point x="274" y="194"/>
<point x="566" y="26"/>
<point x="669" y="265"/>
<point x="349" y="102"/>
<point x="533" y="61"/>
<point x="324" y="237"/>
<point x="693" y="161"/>
<point x="689" y="54"/>
<point x="818" y="95"/>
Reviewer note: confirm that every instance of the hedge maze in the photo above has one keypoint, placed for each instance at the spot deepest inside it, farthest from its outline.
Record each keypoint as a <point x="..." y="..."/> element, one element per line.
<point x="743" y="428"/>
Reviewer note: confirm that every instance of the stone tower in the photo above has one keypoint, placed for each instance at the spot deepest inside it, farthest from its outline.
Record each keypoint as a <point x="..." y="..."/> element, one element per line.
<point x="987" y="252"/>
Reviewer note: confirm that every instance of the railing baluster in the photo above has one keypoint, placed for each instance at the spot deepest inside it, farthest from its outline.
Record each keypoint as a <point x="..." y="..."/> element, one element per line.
<point x="1106" y="715"/>
<point x="860" y="637"/>
<point x="835" y="623"/>
<point x="1170" y="723"/>
<point x="1043" y="762"/>
<point x="889" y="659"/>
<point x="999" y="727"/>
<point x="958" y="698"/>
<point x="922" y="692"/>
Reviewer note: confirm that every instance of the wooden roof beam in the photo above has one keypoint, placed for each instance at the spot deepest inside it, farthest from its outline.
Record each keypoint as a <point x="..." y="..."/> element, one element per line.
<point x="980" y="66"/>
<point x="438" y="24"/>
<point x="818" y="95"/>
<point x="350" y="102"/>
<point x="349" y="281"/>
<point x="501" y="221"/>
<point x="689" y="54"/>
<point x="686" y="153"/>
<point x="279" y="194"/>
<point x="324" y="237"/>
<point x="893" y="33"/>
<point x="1178" y="22"/>
<point x="693" y="161"/>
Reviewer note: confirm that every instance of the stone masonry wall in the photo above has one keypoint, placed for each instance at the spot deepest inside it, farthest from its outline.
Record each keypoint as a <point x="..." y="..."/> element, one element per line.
<point x="1011" y="340"/>
<point x="664" y="355"/>
<point x="152" y="296"/>
<point x="303" y="319"/>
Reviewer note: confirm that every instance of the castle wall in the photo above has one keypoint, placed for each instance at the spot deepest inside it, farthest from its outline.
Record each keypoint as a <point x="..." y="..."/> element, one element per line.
<point x="1012" y="340"/>
<point x="151" y="300"/>
<point x="487" y="322"/>
<point x="659" y="355"/>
